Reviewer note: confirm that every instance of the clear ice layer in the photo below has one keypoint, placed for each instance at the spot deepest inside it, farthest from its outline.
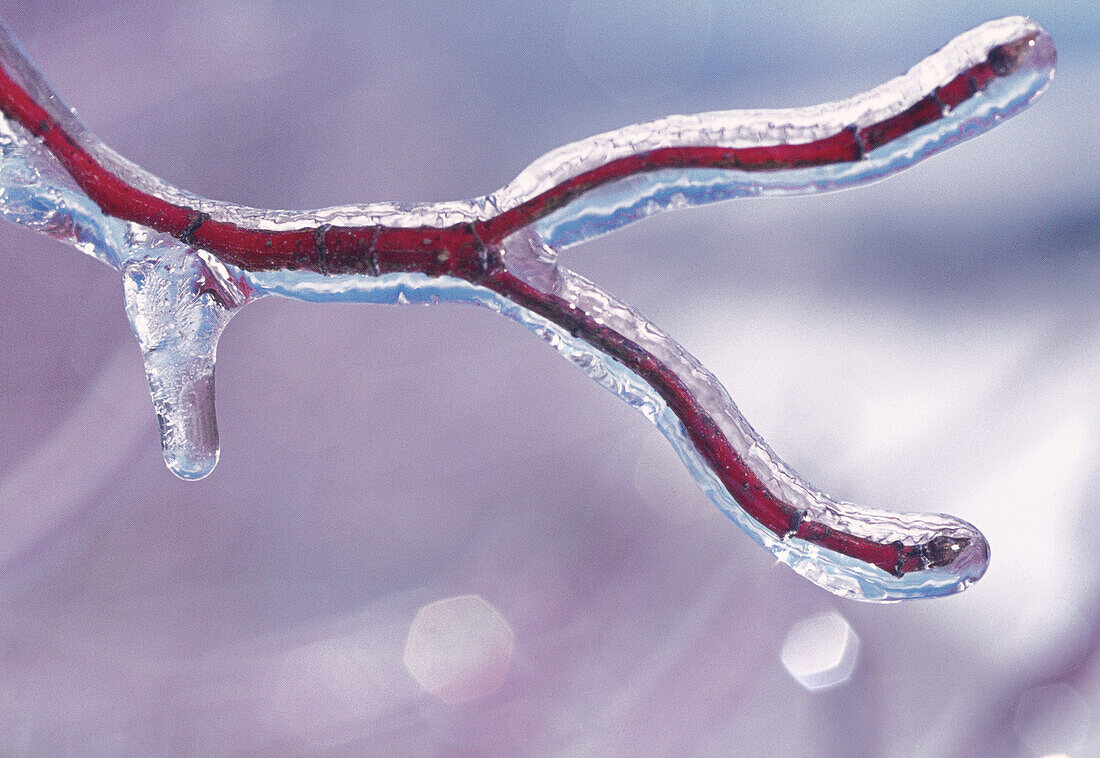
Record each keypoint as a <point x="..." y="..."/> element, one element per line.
<point x="179" y="298"/>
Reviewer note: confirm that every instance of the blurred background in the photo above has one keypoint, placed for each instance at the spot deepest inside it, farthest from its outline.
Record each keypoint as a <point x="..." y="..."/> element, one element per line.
<point x="429" y="534"/>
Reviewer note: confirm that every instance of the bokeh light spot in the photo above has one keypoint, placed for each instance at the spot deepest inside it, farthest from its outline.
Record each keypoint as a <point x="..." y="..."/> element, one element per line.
<point x="1052" y="719"/>
<point x="458" y="649"/>
<point x="821" y="651"/>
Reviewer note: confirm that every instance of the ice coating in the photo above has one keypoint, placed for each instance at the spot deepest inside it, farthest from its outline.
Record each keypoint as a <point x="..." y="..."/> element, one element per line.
<point x="178" y="310"/>
<point x="189" y="263"/>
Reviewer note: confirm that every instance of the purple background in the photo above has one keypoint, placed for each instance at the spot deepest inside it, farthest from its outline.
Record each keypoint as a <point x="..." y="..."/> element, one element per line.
<point x="929" y="343"/>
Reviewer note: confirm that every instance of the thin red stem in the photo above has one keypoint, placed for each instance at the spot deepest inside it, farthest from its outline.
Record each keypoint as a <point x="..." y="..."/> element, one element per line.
<point x="471" y="251"/>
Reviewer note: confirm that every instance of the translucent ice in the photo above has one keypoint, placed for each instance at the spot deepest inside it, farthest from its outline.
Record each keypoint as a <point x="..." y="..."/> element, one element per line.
<point x="177" y="319"/>
<point x="188" y="264"/>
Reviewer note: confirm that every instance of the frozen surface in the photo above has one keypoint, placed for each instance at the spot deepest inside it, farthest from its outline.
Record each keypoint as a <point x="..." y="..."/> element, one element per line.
<point x="217" y="596"/>
<point x="179" y="297"/>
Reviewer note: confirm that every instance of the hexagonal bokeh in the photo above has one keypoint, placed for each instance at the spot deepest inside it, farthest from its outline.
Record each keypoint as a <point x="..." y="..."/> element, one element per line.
<point x="1052" y="720"/>
<point x="821" y="651"/>
<point x="459" y="648"/>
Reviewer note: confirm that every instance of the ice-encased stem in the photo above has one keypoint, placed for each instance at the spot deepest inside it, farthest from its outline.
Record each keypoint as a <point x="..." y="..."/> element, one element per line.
<point x="189" y="263"/>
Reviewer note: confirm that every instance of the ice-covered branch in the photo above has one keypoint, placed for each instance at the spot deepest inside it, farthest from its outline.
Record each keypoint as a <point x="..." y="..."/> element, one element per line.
<point x="189" y="263"/>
